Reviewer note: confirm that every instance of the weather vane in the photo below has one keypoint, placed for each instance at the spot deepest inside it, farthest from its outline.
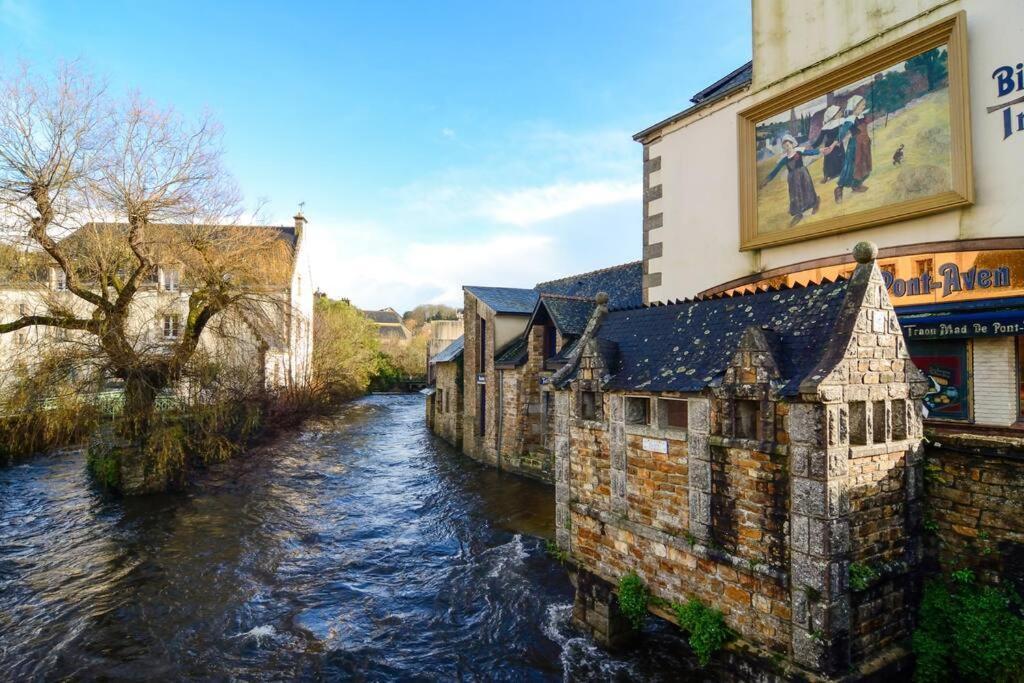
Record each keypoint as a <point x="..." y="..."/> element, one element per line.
<point x="302" y="205"/>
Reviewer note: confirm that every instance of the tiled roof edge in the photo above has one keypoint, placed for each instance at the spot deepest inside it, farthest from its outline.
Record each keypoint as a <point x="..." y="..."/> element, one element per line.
<point x="588" y="273"/>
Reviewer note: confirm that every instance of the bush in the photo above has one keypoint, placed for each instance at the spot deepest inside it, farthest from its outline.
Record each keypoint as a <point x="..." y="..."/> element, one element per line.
<point x="633" y="599"/>
<point x="705" y="626"/>
<point x="968" y="632"/>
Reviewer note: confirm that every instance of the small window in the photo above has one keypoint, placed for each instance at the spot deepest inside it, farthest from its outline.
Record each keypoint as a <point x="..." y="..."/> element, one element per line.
<point x="638" y="410"/>
<point x="170" y="279"/>
<point x="172" y="326"/>
<point x="60" y="281"/>
<point x="588" y="405"/>
<point x="550" y="341"/>
<point x="922" y="266"/>
<point x="888" y="268"/>
<point x="858" y="423"/>
<point x="674" y="413"/>
<point x="878" y="422"/>
<point x="899" y="419"/>
<point x="748" y="420"/>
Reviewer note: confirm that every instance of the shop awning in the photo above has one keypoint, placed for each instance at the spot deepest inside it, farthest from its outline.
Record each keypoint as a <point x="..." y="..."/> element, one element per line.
<point x="987" y="318"/>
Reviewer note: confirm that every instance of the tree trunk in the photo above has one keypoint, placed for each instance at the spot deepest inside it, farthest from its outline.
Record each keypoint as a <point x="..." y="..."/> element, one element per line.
<point x="140" y="468"/>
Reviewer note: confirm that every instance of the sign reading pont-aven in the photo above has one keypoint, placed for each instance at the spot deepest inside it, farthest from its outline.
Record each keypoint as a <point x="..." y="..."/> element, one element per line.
<point x="938" y="278"/>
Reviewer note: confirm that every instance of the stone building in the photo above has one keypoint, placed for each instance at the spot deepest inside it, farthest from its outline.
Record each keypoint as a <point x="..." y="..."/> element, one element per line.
<point x="442" y="334"/>
<point x="749" y="450"/>
<point x="513" y="337"/>
<point x="955" y="275"/>
<point x="444" y="399"/>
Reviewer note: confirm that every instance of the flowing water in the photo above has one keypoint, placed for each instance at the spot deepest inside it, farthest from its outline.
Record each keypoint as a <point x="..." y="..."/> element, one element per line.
<point x="358" y="548"/>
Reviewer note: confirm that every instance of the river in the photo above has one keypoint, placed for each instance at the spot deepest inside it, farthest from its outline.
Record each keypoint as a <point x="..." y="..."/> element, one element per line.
<point x="360" y="547"/>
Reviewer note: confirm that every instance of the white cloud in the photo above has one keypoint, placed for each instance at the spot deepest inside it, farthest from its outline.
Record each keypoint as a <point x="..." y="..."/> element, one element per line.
<point x="448" y="133"/>
<point x="528" y="206"/>
<point x="374" y="268"/>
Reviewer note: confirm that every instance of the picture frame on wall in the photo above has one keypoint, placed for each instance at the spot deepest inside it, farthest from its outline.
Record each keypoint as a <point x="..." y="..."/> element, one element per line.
<point x="881" y="139"/>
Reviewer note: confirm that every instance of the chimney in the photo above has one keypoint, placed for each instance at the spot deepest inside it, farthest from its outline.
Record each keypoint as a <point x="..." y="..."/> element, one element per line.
<point x="300" y="223"/>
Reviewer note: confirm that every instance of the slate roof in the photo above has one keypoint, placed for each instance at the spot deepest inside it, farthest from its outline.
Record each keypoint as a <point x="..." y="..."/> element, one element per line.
<point x="721" y="88"/>
<point x="623" y="284"/>
<point x="735" y="79"/>
<point x="508" y="300"/>
<point x="687" y="346"/>
<point x="384" y="317"/>
<point x="450" y="352"/>
<point x="570" y="315"/>
<point x="512" y="353"/>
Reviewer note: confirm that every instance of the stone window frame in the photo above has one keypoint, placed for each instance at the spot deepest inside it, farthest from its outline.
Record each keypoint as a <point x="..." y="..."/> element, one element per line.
<point x="896" y="435"/>
<point x="649" y="412"/>
<point x="656" y="426"/>
<point x="598" y="421"/>
<point x="726" y="429"/>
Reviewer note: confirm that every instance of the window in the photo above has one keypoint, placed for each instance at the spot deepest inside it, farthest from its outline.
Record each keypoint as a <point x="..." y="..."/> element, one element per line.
<point x="482" y="367"/>
<point x="22" y="309"/>
<point x="878" y="422"/>
<point x="747" y="421"/>
<point x="588" y="405"/>
<point x="638" y="410"/>
<point x="172" y="326"/>
<point x="550" y="341"/>
<point x="170" y="279"/>
<point x="922" y="266"/>
<point x="673" y="413"/>
<point x="944" y="364"/>
<point x="899" y="419"/>
<point x="858" y="423"/>
<point x="545" y="416"/>
<point x="60" y="281"/>
<point x="888" y="268"/>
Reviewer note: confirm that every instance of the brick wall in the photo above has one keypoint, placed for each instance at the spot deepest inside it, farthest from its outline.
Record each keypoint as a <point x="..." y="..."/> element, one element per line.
<point x="995" y="369"/>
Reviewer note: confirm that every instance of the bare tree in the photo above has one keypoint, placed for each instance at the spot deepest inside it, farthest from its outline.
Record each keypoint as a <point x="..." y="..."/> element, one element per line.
<point x="106" y="195"/>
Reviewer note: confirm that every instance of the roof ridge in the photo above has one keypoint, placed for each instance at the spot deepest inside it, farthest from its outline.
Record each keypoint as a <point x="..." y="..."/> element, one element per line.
<point x="547" y="295"/>
<point x="589" y="272"/>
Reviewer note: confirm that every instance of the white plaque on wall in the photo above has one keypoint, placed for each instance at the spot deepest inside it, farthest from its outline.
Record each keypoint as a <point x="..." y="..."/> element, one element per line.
<point x="656" y="445"/>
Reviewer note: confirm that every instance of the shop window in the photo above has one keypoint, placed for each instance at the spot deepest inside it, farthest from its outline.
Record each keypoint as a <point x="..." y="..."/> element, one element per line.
<point x="638" y="410"/>
<point x="899" y="419"/>
<point x="747" y="424"/>
<point x="673" y="413"/>
<point x="878" y="422"/>
<point x="944" y="365"/>
<point x="588" y="405"/>
<point x="858" y="423"/>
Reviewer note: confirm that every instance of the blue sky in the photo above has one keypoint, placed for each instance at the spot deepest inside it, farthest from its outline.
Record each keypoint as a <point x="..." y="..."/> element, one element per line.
<point x="435" y="144"/>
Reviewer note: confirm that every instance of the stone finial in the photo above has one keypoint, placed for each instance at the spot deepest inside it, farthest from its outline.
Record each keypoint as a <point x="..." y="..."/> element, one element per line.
<point x="865" y="252"/>
<point x="601" y="298"/>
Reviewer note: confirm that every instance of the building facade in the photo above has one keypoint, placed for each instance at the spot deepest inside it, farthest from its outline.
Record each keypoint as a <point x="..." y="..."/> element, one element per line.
<point x="278" y="347"/>
<point x="514" y="337"/>
<point x="747" y="451"/>
<point x="955" y="272"/>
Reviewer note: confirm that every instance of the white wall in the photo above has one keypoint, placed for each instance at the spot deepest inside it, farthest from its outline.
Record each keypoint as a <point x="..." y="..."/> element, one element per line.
<point x="700" y="237"/>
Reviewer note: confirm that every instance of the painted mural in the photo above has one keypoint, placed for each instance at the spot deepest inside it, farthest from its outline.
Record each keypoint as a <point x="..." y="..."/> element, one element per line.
<point x="879" y="141"/>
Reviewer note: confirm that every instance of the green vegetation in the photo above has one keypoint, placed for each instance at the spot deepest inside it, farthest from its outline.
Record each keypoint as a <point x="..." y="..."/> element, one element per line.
<point x="862" y="576"/>
<point x="346" y="349"/>
<point x="968" y="632"/>
<point x="633" y="599"/>
<point x="555" y="552"/>
<point x="705" y="626"/>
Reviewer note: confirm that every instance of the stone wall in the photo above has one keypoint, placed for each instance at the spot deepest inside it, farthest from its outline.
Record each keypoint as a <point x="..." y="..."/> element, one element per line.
<point x="974" y="509"/>
<point x="447" y="402"/>
<point x="479" y="445"/>
<point x="767" y="505"/>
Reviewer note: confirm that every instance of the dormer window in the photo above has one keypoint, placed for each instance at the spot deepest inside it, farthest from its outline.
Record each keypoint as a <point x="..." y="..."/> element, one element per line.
<point x="170" y="279"/>
<point x="550" y="341"/>
<point x="172" y="326"/>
